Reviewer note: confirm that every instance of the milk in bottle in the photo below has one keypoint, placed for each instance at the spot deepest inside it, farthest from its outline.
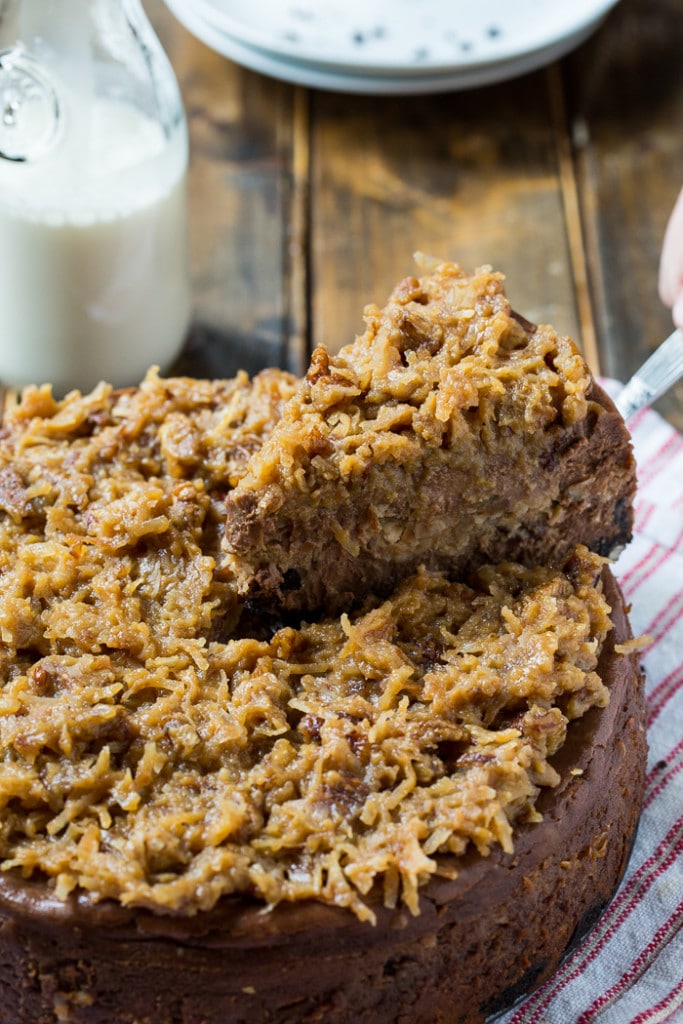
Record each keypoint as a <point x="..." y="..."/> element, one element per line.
<point x="93" y="235"/>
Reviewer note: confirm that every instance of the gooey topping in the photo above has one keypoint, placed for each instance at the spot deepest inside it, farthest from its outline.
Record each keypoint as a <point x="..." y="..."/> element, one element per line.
<point x="151" y="754"/>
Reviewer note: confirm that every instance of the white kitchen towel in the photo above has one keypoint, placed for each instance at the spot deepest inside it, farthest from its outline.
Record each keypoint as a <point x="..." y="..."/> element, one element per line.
<point x="629" y="969"/>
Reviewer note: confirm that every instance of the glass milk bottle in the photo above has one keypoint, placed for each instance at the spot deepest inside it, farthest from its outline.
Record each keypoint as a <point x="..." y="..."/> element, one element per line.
<point x="93" y="225"/>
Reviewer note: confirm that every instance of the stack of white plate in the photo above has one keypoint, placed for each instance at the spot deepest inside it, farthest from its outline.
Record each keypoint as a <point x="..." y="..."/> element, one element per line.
<point x="392" y="46"/>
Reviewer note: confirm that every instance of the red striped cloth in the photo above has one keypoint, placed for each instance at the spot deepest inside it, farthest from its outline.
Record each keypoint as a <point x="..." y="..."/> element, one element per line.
<point x="629" y="969"/>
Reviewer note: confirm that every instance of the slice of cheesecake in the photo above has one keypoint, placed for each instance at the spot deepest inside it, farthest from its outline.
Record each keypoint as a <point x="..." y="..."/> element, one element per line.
<point x="451" y="433"/>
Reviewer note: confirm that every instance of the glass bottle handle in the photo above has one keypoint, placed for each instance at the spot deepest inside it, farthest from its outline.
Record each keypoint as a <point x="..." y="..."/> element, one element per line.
<point x="30" y="113"/>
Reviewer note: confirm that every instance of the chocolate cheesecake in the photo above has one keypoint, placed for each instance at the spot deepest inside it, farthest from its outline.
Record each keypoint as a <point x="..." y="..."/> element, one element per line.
<point x="318" y="699"/>
<point x="487" y="928"/>
<point x="452" y="432"/>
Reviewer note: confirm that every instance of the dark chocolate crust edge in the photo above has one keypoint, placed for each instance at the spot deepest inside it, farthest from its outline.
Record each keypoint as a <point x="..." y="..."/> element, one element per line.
<point x="499" y="929"/>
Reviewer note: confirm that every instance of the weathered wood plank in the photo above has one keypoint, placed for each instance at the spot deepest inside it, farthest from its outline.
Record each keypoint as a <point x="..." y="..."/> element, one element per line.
<point x="471" y="176"/>
<point x="626" y="111"/>
<point x="572" y="217"/>
<point x="244" y="194"/>
<point x="306" y="205"/>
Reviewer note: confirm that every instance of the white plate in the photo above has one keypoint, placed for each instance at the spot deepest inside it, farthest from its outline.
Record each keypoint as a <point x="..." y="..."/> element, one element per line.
<point x="315" y="77"/>
<point x="399" y="36"/>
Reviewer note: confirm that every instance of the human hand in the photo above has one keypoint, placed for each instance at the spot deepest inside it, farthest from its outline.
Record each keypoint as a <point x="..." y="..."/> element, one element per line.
<point x="671" y="264"/>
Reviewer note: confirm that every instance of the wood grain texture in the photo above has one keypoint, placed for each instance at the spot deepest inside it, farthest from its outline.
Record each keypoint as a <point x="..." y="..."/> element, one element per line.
<point x="243" y="195"/>
<point x="625" y="92"/>
<point x="456" y="176"/>
<point x="306" y="205"/>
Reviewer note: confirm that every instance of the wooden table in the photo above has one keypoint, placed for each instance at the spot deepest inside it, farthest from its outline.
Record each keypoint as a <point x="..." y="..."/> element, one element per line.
<point x="306" y="205"/>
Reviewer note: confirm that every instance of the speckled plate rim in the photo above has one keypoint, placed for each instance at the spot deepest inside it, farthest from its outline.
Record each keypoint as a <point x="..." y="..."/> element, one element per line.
<point x="311" y="76"/>
<point x="398" y="37"/>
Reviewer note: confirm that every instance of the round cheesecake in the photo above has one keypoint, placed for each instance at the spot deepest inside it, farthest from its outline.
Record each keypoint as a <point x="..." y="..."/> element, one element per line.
<point x="239" y="788"/>
<point x="478" y="941"/>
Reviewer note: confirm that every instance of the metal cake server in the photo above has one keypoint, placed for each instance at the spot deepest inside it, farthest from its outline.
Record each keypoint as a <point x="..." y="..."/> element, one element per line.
<point x="655" y="376"/>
